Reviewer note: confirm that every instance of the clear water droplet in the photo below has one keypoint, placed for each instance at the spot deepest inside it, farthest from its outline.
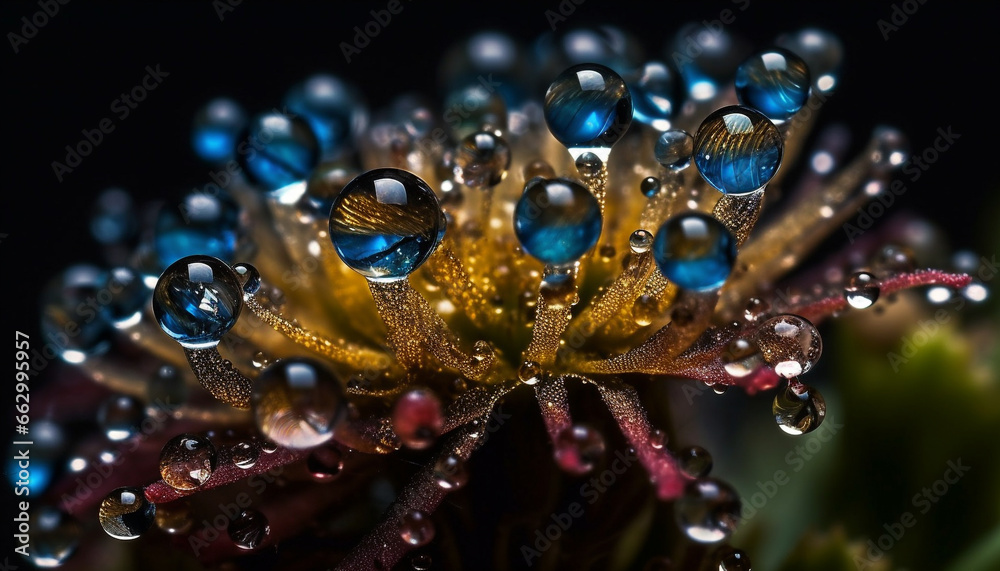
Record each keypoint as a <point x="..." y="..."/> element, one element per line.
<point x="823" y="53"/>
<point x="674" y="149"/>
<point x="729" y="559"/>
<point x="248" y="276"/>
<point x="640" y="241"/>
<point x="655" y="90"/>
<point x="799" y="408"/>
<point x="650" y="186"/>
<point x="589" y="165"/>
<point x="741" y="357"/>
<point x="287" y="150"/>
<point x="54" y="538"/>
<point x="245" y="455"/>
<point x="657" y="439"/>
<point x="126" y="513"/>
<point x="695" y="461"/>
<point x="197" y="300"/>
<point x="481" y="160"/>
<point x="298" y="402"/>
<point x="249" y="530"/>
<point x="578" y="449"/>
<point x="645" y="310"/>
<point x="450" y="472"/>
<point x="416" y="528"/>
<point x="709" y="510"/>
<point x="529" y="373"/>
<point x="775" y="82"/>
<point x="790" y="344"/>
<point x="862" y="290"/>
<point x="120" y="417"/>
<point x="187" y="461"/>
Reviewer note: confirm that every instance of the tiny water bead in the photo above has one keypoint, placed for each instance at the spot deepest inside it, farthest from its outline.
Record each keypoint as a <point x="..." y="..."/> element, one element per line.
<point x="126" y="513"/>
<point x="557" y="220"/>
<point x="709" y="510"/>
<point x="790" y="344"/>
<point x="421" y="562"/>
<point x="640" y="241"/>
<point x="203" y="224"/>
<point x="385" y="223"/>
<point x="741" y="357"/>
<point x="245" y="455"/>
<point x="248" y="276"/>
<point x="187" y="461"/>
<point x="55" y="536"/>
<point x="417" y="418"/>
<point x="416" y="528"/>
<point x="649" y="186"/>
<point x="695" y="461"/>
<point x="278" y="150"/>
<point x="589" y="165"/>
<point x="298" y="403"/>
<point x="482" y="160"/>
<point x="325" y="464"/>
<point x="775" y="82"/>
<point x="737" y="150"/>
<point x="799" y="408"/>
<point x="729" y="559"/>
<point x="332" y="107"/>
<point x="450" y="472"/>
<point x="695" y="251"/>
<point x="674" y="149"/>
<point x="655" y="90"/>
<point x="529" y="373"/>
<point x="120" y="417"/>
<point x="249" y="530"/>
<point x="862" y="290"/>
<point x="216" y="129"/>
<point x="588" y="106"/>
<point x="890" y="148"/>
<point x="578" y="449"/>
<point x="197" y="300"/>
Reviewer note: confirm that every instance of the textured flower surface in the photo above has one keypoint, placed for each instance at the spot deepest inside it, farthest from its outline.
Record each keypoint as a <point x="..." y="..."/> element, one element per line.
<point x="477" y="332"/>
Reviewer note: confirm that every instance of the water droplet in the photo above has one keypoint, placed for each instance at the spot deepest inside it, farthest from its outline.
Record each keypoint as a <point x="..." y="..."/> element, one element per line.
<point x="862" y="290"/>
<point x="54" y="538"/>
<point x="709" y="510"/>
<point x="120" y="417"/>
<point x="63" y="295"/>
<point x="286" y="150"/>
<point x="129" y="296"/>
<point x="790" y="344"/>
<point x="482" y="160"/>
<point x="216" y="129"/>
<point x="695" y="461"/>
<point x="737" y="150"/>
<point x="889" y="148"/>
<point x="298" y="402"/>
<point x="325" y="464"/>
<point x="557" y="221"/>
<point x="385" y="224"/>
<point x="578" y="449"/>
<point x="657" y="439"/>
<point x="645" y="310"/>
<point x="799" y="408"/>
<point x="245" y="455"/>
<point x="822" y="52"/>
<point x="450" y="472"/>
<point x="530" y="372"/>
<point x="894" y="259"/>
<point x="655" y="91"/>
<point x="474" y="108"/>
<point x="695" y="251"/>
<point x="113" y="219"/>
<point x="268" y="447"/>
<point x="332" y="107"/>
<point x="589" y="165"/>
<point x="187" y="461"/>
<point x="729" y="559"/>
<point x="741" y="357"/>
<point x="674" y="149"/>
<point x="559" y="290"/>
<point x="775" y="82"/>
<point x="715" y="55"/>
<point x="421" y="562"/>
<point x="719" y="388"/>
<point x="166" y="390"/>
<point x="175" y="518"/>
<point x="203" y="224"/>
<point x="755" y="309"/>
<point x="640" y="241"/>
<point x="197" y="300"/>
<point x="126" y="514"/>
<point x="649" y="186"/>
<point x="417" y="418"/>
<point x="588" y="106"/>
<point x="249" y="530"/>
<point x="538" y="168"/>
<point x="248" y="276"/>
<point x="416" y="528"/>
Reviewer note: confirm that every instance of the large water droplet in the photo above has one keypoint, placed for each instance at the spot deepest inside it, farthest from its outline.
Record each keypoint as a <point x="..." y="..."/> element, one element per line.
<point x="709" y="510"/>
<point x="695" y="251"/>
<point x="249" y="530"/>
<point x="578" y="449"/>
<point x="790" y="344"/>
<point x="588" y="106"/>
<point x="54" y="538"/>
<point x="774" y="82"/>
<point x="197" y="300"/>
<point x="187" y="461"/>
<point x="203" y="224"/>
<point x="298" y="402"/>
<point x="640" y="241"/>
<point x="245" y="455"/>
<point x="798" y="409"/>
<point x="417" y="418"/>
<point x="557" y="221"/>
<point x="741" y="357"/>
<point x="332" y="107"/>
<point x="737" y="150"/>
<point x="862" y="290"/>
<point x="385" y="223"/>
<point x="482" y="160"/>
<point x="655" y="89"/>
<point x="126" y="514"/>
<point x="695" y="461"/>
<point x="529" y="373"/>
<point x="416" y="528"/>
<point x="286" y="150"/>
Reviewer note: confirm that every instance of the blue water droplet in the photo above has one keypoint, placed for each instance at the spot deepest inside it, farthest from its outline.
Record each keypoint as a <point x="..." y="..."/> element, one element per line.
<point x="557" y="220"/>
<point x="588" y="106"/>
<point x="774" y="82"/>
<point x="197" y="300"/>
<point x="280" y="149"/>
<point x="128" y="296"/>
<point x="823" y="53"/>
<point x="217" y="126"/>
<point x="74" y="321"/>
<point x="695" y="251"/>
<point x="385" y="223"/>
<point x="201" y="224"/>
<point x="707" y="58"/>
<point x="673" y="149"/>
<point x="113" y="218"/>
<point x="334" y="109"/>
<point x="737" y="150"/>
<point x="655" y="94"/>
